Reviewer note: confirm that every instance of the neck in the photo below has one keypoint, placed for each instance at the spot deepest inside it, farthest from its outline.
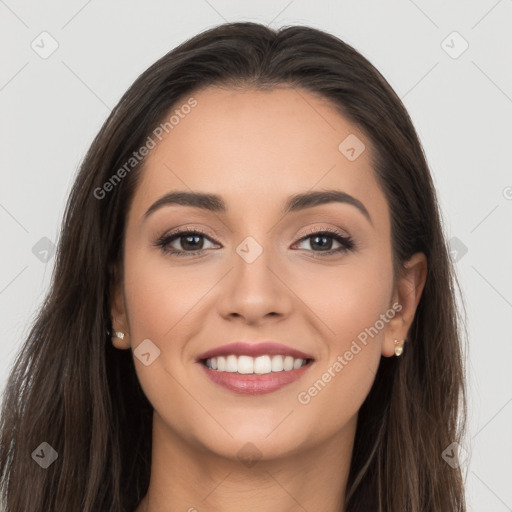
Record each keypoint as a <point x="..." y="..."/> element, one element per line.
<point x="188" y="477"/>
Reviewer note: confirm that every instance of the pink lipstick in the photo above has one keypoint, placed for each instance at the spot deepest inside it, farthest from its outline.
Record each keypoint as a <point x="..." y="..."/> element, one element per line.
<point x="254" y="368"/>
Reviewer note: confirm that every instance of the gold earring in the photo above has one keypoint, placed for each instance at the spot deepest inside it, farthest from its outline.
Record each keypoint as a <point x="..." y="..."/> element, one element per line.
<point x="399" y="347"/>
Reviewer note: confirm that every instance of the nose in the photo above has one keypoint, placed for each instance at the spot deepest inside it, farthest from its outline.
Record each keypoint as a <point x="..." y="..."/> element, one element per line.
<point x="255" y="291"/>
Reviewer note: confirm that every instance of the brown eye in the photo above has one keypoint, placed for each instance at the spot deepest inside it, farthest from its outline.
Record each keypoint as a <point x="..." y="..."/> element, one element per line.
<point x="191" y="241"/>
<point x="322" y="241"/>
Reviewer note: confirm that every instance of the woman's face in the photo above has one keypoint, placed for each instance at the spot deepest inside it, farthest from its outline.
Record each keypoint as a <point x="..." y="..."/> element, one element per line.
<point x="259" y="271"/>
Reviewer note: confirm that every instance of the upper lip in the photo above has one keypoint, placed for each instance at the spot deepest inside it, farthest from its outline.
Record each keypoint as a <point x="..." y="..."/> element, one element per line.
<point x="240" y="348"/>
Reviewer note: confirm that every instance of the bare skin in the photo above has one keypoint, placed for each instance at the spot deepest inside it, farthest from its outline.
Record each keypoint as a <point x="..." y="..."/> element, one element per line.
<point x="255" y="149"/>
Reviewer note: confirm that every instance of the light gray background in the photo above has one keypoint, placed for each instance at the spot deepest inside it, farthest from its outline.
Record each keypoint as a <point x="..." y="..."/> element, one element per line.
<point x="462" y="108"/>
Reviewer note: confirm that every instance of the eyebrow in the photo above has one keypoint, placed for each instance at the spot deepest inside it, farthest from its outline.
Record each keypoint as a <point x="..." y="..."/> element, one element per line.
<point x="295" y="203"/>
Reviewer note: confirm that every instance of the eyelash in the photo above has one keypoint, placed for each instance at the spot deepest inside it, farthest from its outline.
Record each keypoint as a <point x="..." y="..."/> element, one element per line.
<point x="347" y="243"/>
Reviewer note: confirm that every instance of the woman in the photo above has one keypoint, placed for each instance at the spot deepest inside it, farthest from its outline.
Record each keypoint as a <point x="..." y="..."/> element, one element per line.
<point x="252" y="305"/>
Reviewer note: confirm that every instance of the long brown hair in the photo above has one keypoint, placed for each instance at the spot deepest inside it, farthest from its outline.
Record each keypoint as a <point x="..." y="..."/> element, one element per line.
<point x="71" y="389"/>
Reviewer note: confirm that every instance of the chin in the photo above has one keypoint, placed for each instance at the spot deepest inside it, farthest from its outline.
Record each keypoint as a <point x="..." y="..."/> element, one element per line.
<point x="253" y="442"/>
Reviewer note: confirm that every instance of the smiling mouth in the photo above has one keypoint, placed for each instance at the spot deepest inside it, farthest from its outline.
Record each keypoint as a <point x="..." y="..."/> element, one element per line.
<point x="261" y="365"/>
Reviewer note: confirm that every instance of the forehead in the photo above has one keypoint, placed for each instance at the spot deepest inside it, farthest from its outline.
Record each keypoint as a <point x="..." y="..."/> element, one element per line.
<point x="252" y="146"/>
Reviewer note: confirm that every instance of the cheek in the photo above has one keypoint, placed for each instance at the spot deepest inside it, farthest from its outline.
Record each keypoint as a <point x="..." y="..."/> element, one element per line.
<point x="162" y="302"/>
<point x="350" y="303"/>
<point x="160" y="296"/>
<point x="348" y="299"/>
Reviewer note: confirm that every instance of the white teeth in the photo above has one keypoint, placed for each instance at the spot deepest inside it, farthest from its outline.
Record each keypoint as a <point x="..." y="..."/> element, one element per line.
<point x="254" y="365"/>
<point x="277" y="364"/>
<point x="262" y="365"/>
<point x="231" y="364"/>
<point x="297" y="364"/>
<point x="245" y="364"/>
<point x="288" y="363"/>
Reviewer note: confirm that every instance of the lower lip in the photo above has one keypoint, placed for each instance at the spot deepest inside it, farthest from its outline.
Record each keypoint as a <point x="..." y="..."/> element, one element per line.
<point x="255" y="384"/>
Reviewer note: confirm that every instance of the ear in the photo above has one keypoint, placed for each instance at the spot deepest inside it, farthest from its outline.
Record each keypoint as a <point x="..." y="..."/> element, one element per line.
<point x="407" y="294"/>
<point x="118" y="311"/>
